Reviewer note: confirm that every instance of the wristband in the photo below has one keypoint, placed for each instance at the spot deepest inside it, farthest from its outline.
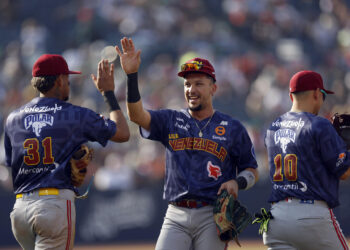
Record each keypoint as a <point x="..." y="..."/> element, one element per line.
<point x="245" y="179"/>
<point x="132" y="92"/>
<point x="242" y="182"/>
<point x="111" y="101"/>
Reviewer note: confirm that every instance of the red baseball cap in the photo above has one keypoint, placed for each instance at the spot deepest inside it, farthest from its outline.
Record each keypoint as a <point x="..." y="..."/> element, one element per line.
<point x="306" y="80"/>
<point x="51" y="65"/>
<point x="198" y="65"/>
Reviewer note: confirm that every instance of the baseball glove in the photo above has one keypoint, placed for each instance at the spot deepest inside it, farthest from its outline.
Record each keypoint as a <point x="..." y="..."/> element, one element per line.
<point x="79" y="162"/>
<point x="230" y="217"/>
<point x="341" y="123"/>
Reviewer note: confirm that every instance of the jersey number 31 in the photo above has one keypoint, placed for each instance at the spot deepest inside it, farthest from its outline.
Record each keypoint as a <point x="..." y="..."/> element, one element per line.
<point x="33" y="156"/>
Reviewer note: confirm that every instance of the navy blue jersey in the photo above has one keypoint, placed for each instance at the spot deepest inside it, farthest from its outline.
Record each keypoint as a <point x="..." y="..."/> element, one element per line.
<point x="197" y="166"/>
<point x="41" y="136"/>
<point x="306" y="158"/>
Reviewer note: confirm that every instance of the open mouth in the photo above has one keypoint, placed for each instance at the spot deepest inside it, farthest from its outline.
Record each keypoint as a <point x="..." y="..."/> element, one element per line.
<point x="193" y="99"/>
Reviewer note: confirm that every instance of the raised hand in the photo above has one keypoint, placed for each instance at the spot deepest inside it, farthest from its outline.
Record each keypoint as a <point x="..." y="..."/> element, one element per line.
<point x="130" y="58"/>
<point x="105" y="76"/>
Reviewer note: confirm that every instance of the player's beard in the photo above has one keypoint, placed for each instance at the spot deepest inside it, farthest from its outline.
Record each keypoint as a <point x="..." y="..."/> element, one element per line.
<point x="198" y="108"/>
<point x="66" y="98"/>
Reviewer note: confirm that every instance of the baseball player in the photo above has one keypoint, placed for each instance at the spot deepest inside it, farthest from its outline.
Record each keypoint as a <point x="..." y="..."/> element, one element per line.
<point x="40" y="138"/>
<point x="205" y="150"/>
<point x="306" y="160"/>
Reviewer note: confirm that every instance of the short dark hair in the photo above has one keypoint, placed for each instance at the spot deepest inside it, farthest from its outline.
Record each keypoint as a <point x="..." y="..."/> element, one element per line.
<point x="43" y="83"/>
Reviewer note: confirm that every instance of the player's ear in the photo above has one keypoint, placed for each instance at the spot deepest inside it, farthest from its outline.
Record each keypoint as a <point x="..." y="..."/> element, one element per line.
<point x="315" y="94"/>
<point x="58" y="81"/>
<point x="291" y="96"/>
<point x="213" y="88"/>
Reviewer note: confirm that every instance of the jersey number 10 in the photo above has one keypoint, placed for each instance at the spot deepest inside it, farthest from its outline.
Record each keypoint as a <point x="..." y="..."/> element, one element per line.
<point x="289" y="167"/>
<point x="33" y="156"/>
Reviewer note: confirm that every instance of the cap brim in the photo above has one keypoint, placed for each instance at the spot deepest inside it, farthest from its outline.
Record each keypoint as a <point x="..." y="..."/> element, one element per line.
<point x="328" y="91"/>
<point x="74" y="72"/>
<point x="183" y="73"/>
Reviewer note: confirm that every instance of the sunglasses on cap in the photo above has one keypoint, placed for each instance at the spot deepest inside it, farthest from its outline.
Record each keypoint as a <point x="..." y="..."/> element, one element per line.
<point x="191" y="66"/>
<point x="324" y="94"/>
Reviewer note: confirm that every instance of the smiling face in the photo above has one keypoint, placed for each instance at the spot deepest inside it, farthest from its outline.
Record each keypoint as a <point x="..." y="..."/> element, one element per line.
<point x="199" y="89"/>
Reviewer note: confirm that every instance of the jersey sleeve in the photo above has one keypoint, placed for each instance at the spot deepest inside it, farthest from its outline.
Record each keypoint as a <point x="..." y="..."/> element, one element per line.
<point x="332" y="148"/>
<point x="159" y="125"/>
<point x="8" y="149"/>
<point x="98" y="128"/>
<point x="246" y="150"/>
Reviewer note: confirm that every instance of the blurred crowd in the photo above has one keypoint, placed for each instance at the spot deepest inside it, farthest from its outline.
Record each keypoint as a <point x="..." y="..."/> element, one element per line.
<point x="255" y="47"/>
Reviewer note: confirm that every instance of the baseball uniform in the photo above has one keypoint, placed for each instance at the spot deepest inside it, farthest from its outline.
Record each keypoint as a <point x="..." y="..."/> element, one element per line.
<point x="306" y="158"/>
<point x="200" y="156"/>
<point x="40" y="138"/>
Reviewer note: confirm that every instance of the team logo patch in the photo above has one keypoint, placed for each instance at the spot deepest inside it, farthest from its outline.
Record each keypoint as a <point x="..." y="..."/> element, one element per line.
<point x="303" y="186"/>
<point x="220" y="130"/>
<point x="173" y="136"/>
<point x="291" y="186"/>
<point x="182" y="126"/>
<point x="284" y="137"/>
<point x="224" y="123"/>
<point x="213" y="171"/>
<point x="41" y="109"/>
<point x="289" y="124"/>
<point x="340" y="160"/>
<point x="105" y="120"/>
<point x="37" y="122"/>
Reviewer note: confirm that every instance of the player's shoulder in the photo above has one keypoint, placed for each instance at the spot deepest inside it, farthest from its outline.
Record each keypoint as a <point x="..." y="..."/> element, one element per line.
<point x="22" y="110"/>
<point x="226" y="117"/>
<point x="11" y="117"/>
<point x="229" y="121"/>
<point x="321" y="123"/>
<point x="320" y="119"/>
<point x="78" y="108"/>
<point x="183" y="113"/>
<point x="179" y="115"/>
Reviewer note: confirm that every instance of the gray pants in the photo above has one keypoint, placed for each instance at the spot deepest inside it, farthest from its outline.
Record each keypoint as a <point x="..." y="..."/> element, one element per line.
<point x="302" y="226"/>
<point x="185" y="229"/>
<point x="44" y="222"/>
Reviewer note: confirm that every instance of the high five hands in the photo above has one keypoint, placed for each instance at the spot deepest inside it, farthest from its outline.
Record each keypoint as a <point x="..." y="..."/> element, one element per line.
<point x="130" y="59"/>
<point x="104" y="81"/>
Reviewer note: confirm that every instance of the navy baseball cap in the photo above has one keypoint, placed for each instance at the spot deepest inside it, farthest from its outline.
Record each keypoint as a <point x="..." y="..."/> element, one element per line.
<point x="197" y="65"/>
<point x="307" y="80"/>
<point x="51" y="65"/>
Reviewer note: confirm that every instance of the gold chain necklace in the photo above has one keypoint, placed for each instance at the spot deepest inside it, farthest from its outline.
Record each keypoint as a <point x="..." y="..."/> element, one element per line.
<point x="200" y="134"/>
